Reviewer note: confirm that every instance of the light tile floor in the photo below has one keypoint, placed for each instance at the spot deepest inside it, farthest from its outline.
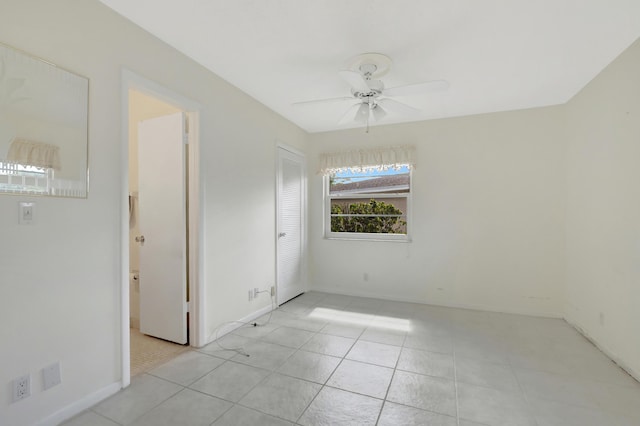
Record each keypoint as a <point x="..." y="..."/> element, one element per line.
<point x="326" y="359"/>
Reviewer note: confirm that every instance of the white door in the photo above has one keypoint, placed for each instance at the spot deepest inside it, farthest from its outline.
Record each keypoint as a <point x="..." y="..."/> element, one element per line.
<point x="291" y="225"/>
<point x="162" y="203"/>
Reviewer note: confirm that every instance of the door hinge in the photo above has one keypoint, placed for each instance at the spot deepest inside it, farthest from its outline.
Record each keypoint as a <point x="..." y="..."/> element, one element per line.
<point x="186" y="307"/>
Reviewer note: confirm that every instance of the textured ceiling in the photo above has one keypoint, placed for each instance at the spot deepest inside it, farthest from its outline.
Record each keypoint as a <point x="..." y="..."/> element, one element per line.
<point x="497" y="55"/>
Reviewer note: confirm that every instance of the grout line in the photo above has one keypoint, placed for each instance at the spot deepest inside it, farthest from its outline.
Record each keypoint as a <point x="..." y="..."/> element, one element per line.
<point x="455" y="382"/>
<point x="522" y="391"/>
<point x="96" y="413"/>
<point x="262" y="412"/>
<point x="333" y="372"/>
<point x="310" y="402"/>
<point x="223" y="413"/>
<point x="325" y="382"/>
<point x="161" y="402"/>
<point x="275" y="371"/>
<point x="393" y="375"/>
<point x="213" y="396"/>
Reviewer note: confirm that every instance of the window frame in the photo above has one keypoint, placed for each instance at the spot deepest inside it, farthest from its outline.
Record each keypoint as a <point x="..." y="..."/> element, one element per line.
<point x="24" y="174"/>
<point x="364" y="236"/>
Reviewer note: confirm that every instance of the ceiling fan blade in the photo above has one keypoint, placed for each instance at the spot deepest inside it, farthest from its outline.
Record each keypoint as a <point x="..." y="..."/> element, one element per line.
<point x="417" y="89"/>
<point x="396" y="107"/>
<point x="323" y="101"/>
<point x="355" y="80"/>
<point x="350" y="115"/>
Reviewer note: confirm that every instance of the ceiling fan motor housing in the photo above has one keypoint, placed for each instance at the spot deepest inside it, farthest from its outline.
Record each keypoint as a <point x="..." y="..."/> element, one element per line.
<point x="368" y="70"/>
<point x="376" y="87"/>
<point x="374" y="64"/>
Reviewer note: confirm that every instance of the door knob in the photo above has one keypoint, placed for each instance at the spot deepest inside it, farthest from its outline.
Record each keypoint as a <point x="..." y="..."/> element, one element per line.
<point x="140" y="239"/>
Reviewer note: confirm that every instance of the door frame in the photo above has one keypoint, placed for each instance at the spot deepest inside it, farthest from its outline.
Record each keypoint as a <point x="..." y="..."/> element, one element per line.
<point x="195" y="266"/>
<point x="305" y="278"/>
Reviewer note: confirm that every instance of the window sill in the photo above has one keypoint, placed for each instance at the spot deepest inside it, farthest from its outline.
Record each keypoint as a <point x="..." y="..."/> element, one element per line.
<point x="405" y="239"/>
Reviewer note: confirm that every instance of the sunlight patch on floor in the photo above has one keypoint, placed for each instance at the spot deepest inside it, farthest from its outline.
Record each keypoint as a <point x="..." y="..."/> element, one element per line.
<point x="357" y="318"/>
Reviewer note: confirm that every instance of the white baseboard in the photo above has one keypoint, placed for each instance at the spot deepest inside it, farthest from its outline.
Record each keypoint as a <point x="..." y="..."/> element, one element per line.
<point x="228" y="327"/>
<point x="615" y="358"/>
<point x="79" y="406"/>
<point x="542" y="314"/>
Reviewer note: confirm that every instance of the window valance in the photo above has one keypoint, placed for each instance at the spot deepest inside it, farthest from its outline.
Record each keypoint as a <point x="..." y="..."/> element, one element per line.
<point x="367" y="159"/>
<point x="36" y="154"/>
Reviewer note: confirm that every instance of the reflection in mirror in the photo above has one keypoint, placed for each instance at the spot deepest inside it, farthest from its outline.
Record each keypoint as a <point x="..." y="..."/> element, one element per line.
<point x="43" y="127"/>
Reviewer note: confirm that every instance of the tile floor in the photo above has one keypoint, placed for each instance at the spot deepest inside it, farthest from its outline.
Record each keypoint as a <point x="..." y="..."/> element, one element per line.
<point x="325" y="359"/>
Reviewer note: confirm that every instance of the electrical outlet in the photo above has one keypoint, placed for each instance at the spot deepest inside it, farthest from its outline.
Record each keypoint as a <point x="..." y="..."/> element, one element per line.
<point x="273" y="291"/>
<point x="21" y="387"/>
<point x="256" y="290"/>
<point x="250" y="295"/>
<point x="51" y="376"/>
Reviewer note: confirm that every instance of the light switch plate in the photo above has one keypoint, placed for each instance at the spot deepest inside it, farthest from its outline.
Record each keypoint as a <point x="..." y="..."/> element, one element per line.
<point x="51" y="375"/>
<point x="26" y="213"/>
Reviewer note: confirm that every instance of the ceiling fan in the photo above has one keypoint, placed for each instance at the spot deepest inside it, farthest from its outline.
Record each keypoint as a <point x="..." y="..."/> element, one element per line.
<point x="373" y="99"/>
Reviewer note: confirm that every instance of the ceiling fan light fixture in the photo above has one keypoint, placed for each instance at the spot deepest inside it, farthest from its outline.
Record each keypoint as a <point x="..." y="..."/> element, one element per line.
<point x="377" y="112"/>
<point x="363" y="113"/>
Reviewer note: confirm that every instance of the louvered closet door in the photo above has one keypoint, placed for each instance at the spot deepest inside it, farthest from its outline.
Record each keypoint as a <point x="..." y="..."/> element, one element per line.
<point x="291" y="225"/>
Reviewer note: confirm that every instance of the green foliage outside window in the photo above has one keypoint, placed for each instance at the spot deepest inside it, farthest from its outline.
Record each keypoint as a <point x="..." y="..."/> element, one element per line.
<point x="392" y="224"/>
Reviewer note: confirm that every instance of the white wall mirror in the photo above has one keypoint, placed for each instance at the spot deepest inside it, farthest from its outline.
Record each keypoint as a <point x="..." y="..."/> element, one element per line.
<point x="43" y="127"/>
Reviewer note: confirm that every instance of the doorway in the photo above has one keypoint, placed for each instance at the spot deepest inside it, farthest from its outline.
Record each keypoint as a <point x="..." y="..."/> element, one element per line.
<point x="160" y="250"/>
<point x="157" y="240"/>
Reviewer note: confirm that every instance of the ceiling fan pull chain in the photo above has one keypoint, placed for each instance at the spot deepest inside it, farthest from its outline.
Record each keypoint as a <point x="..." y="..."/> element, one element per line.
<point x="368" y="116"/>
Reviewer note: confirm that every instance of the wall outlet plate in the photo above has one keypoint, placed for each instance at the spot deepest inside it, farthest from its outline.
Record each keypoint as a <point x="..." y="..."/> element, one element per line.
<point x="51" y="375"/>
<point x="21" y="387"/>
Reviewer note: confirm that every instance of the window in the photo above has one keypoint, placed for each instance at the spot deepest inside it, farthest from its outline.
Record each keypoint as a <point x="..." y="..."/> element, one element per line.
<point x="25" y="179"/>
<point x="29" y="167"/>
<point x="368" y="203"/>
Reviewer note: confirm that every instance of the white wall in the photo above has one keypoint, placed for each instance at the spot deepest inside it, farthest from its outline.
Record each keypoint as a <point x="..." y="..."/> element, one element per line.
<point x="488" y="216"/>
<point x="59" y="279"/>
<point x="603" y="209"/>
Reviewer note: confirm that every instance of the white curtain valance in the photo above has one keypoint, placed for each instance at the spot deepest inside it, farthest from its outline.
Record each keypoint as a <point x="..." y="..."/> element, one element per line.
<point x="367" y="159"/>
<point x="36" y="154"/>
